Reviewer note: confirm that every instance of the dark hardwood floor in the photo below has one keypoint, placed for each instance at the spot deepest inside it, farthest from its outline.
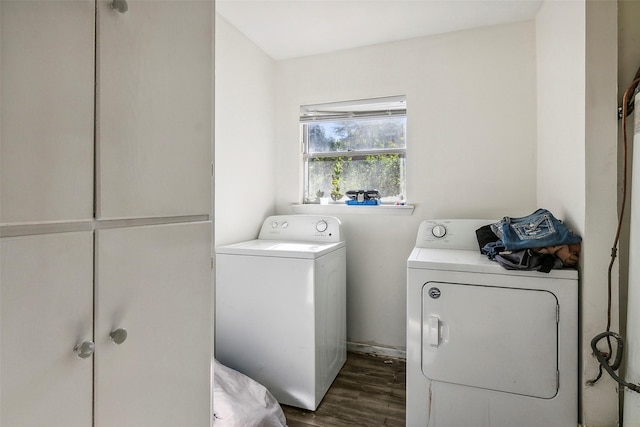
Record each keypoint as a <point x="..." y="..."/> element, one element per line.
<point x="369" y="391"/>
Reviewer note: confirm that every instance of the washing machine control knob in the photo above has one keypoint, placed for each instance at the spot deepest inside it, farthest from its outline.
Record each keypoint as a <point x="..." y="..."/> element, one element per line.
<point x="274" y="224"/>
<point x="321" y="226"/>
<point x="439" y="231"/>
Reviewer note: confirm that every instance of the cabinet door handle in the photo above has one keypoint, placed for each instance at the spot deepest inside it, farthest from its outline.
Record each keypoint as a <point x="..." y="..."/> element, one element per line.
<point x="118" y="336"/>
<point x="84" y="350"/>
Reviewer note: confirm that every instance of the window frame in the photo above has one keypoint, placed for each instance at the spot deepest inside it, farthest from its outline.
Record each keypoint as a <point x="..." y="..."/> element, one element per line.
<point x="374" y="108"/>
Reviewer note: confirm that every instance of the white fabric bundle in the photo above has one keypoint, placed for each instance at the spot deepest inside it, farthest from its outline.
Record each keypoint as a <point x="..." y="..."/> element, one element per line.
<point x="240" y="401"/>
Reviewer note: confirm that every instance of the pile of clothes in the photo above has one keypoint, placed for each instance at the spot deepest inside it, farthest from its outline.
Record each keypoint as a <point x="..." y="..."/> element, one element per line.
<point x="538" y="241"/>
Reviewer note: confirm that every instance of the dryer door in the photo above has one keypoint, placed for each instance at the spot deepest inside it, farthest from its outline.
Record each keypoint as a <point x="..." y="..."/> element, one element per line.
<point x="490" y="337"/>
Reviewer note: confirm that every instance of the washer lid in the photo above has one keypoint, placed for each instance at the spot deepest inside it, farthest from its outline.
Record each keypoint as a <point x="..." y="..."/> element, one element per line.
<point x="280" y="249"/>
<point x="475" y="262"/>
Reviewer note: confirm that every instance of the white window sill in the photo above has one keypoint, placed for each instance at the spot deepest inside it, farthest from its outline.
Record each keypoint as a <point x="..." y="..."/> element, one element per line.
<point x="344" y="209"/>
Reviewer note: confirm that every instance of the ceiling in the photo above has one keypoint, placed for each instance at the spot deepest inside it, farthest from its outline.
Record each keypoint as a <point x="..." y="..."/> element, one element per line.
<point x="286" y="29"/>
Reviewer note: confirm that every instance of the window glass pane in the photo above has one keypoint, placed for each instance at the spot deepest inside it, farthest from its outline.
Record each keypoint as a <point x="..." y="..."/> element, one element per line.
<point x="357" y="134"/>
<point x="334" y="176"/>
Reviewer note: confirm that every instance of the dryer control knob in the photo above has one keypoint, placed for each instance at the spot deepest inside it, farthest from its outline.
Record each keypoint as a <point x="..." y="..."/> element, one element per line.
<point x="322" y="226"/>
<point x="274" y="224"/>
<point x="439" y="231"/>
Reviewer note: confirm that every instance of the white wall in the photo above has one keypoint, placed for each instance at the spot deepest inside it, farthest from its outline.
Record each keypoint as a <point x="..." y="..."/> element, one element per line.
<point x="501" y="120"/>
<point x="577" y="162"/>
<point x="628" y="63"/>
<point x="244" y="135"/>
<point x="560" y="33"/>
<point x="600" y="404"/>
<point x="471" y="130"/>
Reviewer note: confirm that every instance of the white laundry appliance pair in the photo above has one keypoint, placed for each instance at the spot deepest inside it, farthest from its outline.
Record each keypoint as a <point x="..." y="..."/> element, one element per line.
<point x="281" y="307"/>
<point x="486" y="346"/>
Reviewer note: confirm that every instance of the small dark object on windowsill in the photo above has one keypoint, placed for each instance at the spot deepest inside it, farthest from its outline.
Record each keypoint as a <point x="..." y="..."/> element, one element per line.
<point x="363" y="197"/>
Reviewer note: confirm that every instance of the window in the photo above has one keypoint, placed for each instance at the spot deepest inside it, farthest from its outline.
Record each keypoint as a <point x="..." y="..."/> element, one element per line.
<point x="356" y="145"/>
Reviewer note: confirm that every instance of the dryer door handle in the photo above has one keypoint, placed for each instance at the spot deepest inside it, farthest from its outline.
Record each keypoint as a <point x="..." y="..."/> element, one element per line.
<point x="434" y="331"/>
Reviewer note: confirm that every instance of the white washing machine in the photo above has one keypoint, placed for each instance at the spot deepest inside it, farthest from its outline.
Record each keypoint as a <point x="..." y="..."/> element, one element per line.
<point x="487" y="347"/>
<point x="281" y="307"/>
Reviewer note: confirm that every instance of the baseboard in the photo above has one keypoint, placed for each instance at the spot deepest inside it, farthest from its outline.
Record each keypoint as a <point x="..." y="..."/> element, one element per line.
<point x="376" y="350"/>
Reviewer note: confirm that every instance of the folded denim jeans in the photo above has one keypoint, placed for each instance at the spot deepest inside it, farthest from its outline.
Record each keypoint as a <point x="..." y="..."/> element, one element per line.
<point x="537" y="230"/>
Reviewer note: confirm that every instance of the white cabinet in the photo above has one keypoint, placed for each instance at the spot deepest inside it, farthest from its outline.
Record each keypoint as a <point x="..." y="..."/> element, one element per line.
<point x="105" y="213"/>
<point x="154" y="109"/>
<point x="153" y="282"/>
<point x="46" y="164"/>
<point x="46" y="300"/>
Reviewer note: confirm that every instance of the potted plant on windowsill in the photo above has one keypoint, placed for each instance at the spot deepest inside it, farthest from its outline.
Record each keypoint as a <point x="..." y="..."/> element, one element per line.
<point x="335" y="180"/>
<point x="321" y="199"/>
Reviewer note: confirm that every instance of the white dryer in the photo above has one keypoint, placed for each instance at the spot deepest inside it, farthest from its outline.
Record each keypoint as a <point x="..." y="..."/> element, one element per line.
<point x="486" y="346"/>
<point x="281" y="307"/>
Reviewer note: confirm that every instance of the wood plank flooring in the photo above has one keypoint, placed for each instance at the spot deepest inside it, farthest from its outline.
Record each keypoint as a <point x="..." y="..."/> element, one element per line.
<point x="368" y="392"/>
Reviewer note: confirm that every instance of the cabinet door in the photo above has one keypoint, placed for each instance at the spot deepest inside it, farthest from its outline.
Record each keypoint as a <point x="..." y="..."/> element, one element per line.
<point x="154" y="282"/>
<point x="47" y="80"/>
<point x="46" y="308"/>
<point x="155" y="97"/>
